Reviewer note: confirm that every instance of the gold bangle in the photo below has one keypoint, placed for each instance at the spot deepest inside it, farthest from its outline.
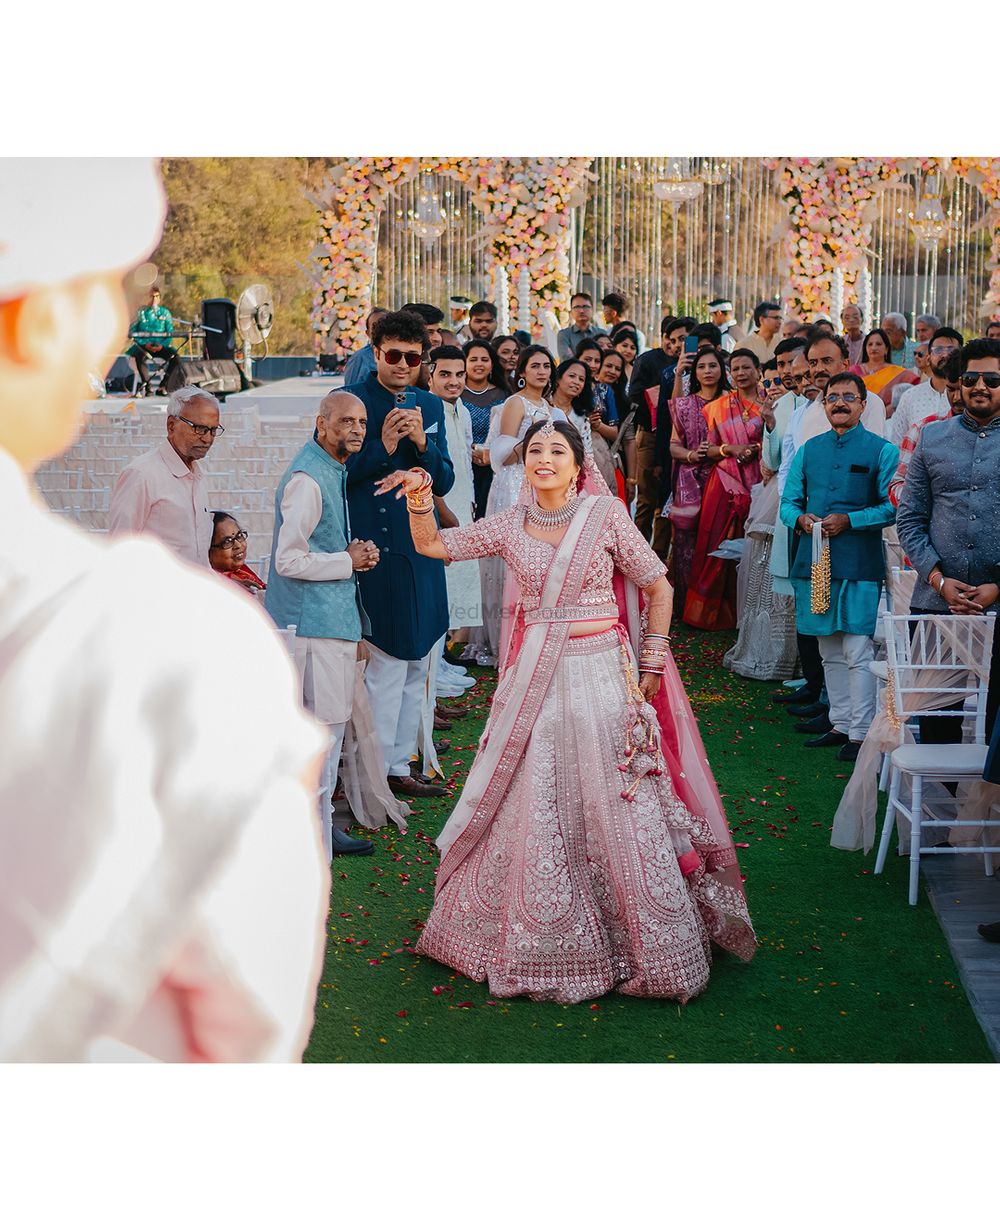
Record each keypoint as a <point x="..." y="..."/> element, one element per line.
<point x="723" y="452"/>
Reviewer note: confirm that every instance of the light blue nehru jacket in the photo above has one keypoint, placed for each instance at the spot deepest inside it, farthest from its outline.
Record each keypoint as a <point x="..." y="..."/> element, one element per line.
<point x="329" y="609"/>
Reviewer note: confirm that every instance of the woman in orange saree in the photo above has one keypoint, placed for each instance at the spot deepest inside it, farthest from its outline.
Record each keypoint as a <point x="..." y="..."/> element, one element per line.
<point x="880" y="376"/>
<point x="734" y="433"/>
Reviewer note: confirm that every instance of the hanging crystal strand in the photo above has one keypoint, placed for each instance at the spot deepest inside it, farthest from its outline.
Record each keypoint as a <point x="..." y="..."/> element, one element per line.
<point x="609" y="228"/>
<point x="954" y="214"/>
<point x="702" y="277"/>
<point x="656" y="257"/>
<point x="880" y="252"/>
<point x="731" y="183"/>
<point x="709" y="241"/>
<point x="755" y="235"/>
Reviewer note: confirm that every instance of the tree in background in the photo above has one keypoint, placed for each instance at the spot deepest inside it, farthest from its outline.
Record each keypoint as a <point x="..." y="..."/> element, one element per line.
<point x="234" y="221"/>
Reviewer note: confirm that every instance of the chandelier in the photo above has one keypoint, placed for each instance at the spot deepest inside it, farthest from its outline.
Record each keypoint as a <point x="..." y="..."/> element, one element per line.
<point x="929" y="223"/>
<point x="429" y="221"/>
<point x="677" y="187"/>
<point x="714" y="171"/>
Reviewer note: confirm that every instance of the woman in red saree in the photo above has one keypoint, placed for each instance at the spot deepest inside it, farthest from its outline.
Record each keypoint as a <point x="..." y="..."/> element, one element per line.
<point x="575" y="862"/>
<point x="734" y="434"/>
<point x="228" y="553"/>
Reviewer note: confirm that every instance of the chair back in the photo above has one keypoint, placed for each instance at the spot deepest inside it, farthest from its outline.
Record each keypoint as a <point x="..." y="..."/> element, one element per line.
<point x="937" y="664"/>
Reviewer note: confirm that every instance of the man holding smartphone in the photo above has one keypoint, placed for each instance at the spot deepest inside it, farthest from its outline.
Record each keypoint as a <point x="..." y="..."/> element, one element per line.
<point x="405" y="594"/>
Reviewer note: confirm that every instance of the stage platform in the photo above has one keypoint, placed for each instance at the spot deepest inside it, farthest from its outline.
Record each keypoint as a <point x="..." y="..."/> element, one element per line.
<point x="287" y="397"/>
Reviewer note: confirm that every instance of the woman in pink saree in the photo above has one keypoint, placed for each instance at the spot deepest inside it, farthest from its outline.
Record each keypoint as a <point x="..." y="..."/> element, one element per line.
<point x="734" y="432"/>
<point x="588" y="851"/>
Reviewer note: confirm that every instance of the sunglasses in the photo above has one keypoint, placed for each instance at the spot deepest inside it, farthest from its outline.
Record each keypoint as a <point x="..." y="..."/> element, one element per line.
<point x="991" y="380"/>
<point x="848" y="398"/>
<point x="393" y="356"/>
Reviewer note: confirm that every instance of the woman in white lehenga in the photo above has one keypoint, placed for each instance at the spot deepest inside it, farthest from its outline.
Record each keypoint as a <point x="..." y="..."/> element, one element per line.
<point x="589" y="850"/>
<point x="529" y="404"/>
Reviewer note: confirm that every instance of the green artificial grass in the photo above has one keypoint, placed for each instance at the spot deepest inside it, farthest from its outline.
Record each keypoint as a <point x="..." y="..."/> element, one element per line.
<point x="846" y="969"/>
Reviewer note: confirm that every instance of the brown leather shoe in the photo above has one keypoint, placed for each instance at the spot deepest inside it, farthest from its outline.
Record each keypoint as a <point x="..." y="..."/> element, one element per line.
<point x="441" y="723"/>
<point x="453" y="714"/>
<point x="414" y="789"/>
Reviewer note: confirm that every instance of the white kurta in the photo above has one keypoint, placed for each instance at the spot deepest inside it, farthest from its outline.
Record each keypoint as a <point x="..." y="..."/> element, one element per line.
<point x="465" y="608"/>
<point x="326" y="665"/>
<point x="150" y="796"/>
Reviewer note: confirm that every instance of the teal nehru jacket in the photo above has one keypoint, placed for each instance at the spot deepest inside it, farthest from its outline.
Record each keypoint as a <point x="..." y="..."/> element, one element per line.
<point x="849" y="474"/>
<point x="330" y="609"/>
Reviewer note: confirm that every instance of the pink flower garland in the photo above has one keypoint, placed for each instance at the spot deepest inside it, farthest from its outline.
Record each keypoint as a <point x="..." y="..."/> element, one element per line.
<point x="526" y="207"/>
<point x="826" y="199"/>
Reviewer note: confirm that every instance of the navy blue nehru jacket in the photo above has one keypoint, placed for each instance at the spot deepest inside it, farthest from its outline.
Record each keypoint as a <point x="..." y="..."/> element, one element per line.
<point x="405" y="594"/>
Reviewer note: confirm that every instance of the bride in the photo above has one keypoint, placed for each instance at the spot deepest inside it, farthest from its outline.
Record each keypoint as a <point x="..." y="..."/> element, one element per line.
<point x="589" y="850"/>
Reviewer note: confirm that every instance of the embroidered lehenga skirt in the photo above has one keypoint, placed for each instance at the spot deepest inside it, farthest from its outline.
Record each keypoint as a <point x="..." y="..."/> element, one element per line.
<point x="572" y="891"/>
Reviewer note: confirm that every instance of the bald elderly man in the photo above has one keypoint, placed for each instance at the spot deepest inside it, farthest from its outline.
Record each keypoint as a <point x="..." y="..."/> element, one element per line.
<point x="312" y="586"/>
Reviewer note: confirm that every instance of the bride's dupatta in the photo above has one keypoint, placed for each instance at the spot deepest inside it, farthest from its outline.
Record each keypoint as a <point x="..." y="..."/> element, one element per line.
<point x="522" y="689"/>
<point x="720" y="889"/>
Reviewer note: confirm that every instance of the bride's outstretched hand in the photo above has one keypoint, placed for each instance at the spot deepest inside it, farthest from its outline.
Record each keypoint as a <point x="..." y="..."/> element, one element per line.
<point x="405" y="481"/>
<point x="649" y="685"/>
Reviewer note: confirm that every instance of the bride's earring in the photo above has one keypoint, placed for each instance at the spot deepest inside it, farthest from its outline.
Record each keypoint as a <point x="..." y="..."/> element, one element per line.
<point x="520" y="383"/>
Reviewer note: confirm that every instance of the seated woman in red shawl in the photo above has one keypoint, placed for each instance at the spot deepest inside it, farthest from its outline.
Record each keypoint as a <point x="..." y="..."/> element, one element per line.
<point x="228" y="552"/>
<point x="734" y="434"/>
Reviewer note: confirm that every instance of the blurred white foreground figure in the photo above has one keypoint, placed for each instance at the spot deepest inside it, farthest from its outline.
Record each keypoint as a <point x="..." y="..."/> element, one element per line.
<point x="162" y="889"/>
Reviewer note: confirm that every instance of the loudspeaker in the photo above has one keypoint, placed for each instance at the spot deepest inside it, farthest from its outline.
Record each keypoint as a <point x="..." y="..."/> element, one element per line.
<point x="122" y="377"/>
<point x="217" y="377"/>
<point x="220" y="313"/>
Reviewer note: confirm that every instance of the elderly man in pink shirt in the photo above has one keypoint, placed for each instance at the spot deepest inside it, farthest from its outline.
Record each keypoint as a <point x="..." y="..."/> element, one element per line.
<point x="163" y="492"/>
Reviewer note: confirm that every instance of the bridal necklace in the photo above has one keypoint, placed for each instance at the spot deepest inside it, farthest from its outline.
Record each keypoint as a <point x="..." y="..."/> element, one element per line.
<point x="552" y="519"/>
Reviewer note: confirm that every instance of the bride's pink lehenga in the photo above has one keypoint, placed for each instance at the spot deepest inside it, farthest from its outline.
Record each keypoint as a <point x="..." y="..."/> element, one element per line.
<point x="579" y="859"/>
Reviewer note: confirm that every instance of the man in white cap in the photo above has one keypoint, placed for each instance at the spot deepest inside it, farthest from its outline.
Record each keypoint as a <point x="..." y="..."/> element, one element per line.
<point x="722" y="313"/>
<point x="459" y="307"/>
<point x="162" y="888"/>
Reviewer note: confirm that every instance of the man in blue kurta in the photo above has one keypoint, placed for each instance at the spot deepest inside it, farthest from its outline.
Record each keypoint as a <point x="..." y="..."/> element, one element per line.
<point x="406" y="595"/>
<point x="313" y="587"/>
<point x="838" y="483"/>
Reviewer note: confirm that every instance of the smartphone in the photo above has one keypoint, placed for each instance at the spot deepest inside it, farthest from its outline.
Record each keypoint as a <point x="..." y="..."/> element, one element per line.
<point x="406" y="399"/>
<point x="690" y="344"/>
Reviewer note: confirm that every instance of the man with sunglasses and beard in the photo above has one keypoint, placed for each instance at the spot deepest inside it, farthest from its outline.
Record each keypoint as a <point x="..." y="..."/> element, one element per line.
<point x="949" y="514"/>
<point x="405" y="595"/>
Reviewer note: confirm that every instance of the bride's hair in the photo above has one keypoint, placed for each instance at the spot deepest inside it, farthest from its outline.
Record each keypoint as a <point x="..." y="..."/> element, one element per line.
<point x="566" y="431"/>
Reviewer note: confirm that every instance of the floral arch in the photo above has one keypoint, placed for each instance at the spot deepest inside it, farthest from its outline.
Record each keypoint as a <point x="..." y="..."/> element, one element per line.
<point x="831" y="205"/>
<point x="526" y="205"/>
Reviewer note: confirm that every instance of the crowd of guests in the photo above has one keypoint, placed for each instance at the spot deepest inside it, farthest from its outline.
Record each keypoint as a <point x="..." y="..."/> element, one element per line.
<point x="761" y="466"/>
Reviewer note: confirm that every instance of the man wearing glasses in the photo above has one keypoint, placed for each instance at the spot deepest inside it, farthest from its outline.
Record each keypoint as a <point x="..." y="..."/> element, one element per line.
<point x="581" y="307"/>
<point x="838" y="484"/>
<point x="767" y="320"/>
<point x="928" y="398"/>
<point x="405" y="595"/>
<point x="163" y="492"/>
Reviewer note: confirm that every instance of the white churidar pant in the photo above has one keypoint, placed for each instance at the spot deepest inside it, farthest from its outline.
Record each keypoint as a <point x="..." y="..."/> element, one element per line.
<point x="396" y="688"/>
<point x="850" y="684"/>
